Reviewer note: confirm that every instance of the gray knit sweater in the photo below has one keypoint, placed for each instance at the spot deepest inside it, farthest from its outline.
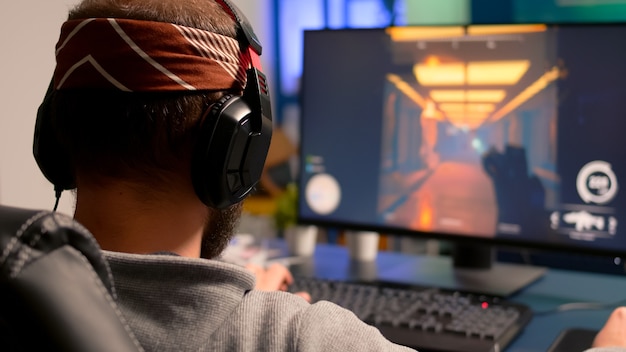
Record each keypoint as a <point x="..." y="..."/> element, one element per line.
<point x="182" y="304"/>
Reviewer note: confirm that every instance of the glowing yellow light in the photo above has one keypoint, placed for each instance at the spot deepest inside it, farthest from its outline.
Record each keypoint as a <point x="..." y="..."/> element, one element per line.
<point x="403" y="34"/>
<point x="447" y="95"/>
<point x="530" y="91"/>
<point x="426" y="213"/>
<point x="467" y="108"/>
<point x="393" y="78"/>
<point x="496" y="72"/>
<point x="452" y="107"/>
<point x="486" y="95"/>
<point x="475" y="73"/>
<point x="480" y="107"/>
<point x="505" y="29"/>
<point x="417" y="33"/>
<point x="471" y="120"/>
<point x="414" y="96"/>
<point x="467" y="116"/>
<point x="446" y="74"/>
<point x="432" y="60"/>
<point x="470" y="115"/>
<point x="472" y="95"/>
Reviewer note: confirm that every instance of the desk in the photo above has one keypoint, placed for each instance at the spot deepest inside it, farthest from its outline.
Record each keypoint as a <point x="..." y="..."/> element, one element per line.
<point x="555" y="288"/>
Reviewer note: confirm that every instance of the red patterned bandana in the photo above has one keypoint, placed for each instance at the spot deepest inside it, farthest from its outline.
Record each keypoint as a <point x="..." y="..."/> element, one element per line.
<point x="144" y="56"/>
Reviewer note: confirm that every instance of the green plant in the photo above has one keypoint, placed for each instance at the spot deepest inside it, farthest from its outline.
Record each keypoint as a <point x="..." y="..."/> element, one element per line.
<point x="286" y="212"/>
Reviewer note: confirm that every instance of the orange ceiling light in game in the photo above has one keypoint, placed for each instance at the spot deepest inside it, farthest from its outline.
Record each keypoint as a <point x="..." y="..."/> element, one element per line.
<point x="473" y="73"/>
<point x="454" y="87"/>
<point x="417" y="33"/>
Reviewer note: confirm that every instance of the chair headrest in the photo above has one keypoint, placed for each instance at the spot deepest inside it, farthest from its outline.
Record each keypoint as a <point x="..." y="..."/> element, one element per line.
<point x="45" y="231"/>
<point x="57" y="288"/>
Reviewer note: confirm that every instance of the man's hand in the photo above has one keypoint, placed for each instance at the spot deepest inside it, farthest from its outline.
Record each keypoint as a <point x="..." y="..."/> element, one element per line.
<point x="613" y="334"/>
<point x="275" y="278"/>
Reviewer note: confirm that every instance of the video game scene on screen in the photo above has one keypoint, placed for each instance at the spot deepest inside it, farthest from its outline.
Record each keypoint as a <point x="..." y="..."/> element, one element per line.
<point x="510" y="132"/>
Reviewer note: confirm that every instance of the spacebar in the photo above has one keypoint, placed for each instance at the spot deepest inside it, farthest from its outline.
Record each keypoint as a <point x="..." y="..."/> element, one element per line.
<point x="425" y="341"/>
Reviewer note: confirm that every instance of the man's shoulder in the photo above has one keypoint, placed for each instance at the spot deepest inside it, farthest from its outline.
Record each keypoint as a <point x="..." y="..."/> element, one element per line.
<point x="324" y="325"/>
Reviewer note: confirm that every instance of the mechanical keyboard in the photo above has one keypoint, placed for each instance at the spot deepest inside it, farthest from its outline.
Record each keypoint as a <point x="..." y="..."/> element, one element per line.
<point x="426" y="319"/>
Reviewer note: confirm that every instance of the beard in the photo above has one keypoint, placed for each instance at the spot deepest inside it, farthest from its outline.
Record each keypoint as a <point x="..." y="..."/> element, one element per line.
<point x="219" y="230"/>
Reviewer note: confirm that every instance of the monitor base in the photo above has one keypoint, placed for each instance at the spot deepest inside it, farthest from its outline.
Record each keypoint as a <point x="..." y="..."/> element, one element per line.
<point x="499" y="279"/>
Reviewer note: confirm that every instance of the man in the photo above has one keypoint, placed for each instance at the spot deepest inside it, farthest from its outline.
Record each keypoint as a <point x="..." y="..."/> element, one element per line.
<point x="139" y="87"/>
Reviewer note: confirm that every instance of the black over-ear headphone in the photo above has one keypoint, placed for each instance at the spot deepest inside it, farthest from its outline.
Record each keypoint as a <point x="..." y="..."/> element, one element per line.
<point x="234" y="139"/>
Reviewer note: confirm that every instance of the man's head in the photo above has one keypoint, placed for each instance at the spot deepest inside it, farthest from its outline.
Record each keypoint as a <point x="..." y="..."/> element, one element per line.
<point x="134" y="99"/>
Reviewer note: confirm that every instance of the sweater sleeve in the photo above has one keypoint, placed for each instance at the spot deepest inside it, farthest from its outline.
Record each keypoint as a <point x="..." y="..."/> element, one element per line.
<point x="324" y="326"/>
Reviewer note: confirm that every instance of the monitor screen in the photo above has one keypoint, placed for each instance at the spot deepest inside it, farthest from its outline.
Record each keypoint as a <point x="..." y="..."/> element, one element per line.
<point x="507" y="134"/>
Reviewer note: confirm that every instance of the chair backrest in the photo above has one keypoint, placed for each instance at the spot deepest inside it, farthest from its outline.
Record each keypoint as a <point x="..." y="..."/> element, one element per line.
<point x="56" y="289"/>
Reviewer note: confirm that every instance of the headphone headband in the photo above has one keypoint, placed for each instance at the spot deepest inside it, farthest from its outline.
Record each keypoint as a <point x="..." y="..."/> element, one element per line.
<point x="245" y="33"/>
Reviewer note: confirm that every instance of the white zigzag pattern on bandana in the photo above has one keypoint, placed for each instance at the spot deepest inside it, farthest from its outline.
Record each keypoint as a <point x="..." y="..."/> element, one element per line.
<point x="147" y="57"/>
<point x="222" y="49"/>
<point x="103" y="72"/>
<point x="69" y="36"/>
<point x="98" y="67"/>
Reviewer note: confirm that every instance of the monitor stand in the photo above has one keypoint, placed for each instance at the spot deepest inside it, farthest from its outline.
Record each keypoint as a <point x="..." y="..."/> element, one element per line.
<point x="470" y="268"/>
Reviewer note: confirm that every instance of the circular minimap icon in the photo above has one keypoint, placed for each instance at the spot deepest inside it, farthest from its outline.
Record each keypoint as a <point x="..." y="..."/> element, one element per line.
<point x="323" y="194"/>
<point x="596" y="183"/>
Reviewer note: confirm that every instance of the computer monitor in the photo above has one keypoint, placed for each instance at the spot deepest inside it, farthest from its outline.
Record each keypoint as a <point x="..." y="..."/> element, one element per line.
<point x="498" y="135"/>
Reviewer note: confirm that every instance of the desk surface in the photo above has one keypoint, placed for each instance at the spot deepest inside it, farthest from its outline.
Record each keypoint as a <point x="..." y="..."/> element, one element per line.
<point x="555" y="288"/>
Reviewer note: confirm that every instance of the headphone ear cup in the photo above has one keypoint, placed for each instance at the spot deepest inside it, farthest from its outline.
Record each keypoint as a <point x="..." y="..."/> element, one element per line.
<point x="229" y="155"/>
<point x="52" y="159"/>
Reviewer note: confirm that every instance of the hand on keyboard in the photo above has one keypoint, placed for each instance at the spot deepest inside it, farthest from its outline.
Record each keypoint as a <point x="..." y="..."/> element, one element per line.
<point x="274" y="278"/>
<point x="425" y="318"/>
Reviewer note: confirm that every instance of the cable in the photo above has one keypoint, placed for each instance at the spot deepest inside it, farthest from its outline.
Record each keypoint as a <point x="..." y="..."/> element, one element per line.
<point x="57" y="195"/>
<point x="582" y="306"/>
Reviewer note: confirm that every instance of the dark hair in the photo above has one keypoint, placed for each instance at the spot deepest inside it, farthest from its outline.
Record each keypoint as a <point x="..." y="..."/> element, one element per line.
<point x="139" y="136"/>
